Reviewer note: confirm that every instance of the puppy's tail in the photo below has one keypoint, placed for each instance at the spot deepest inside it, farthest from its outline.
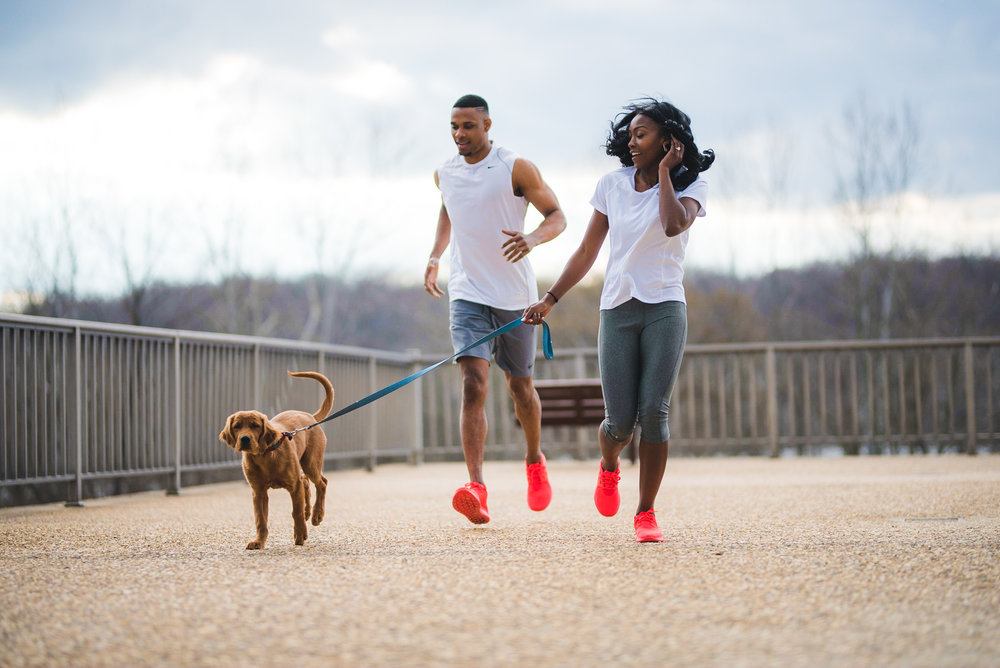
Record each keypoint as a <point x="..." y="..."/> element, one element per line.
<point x="324" y="410"/>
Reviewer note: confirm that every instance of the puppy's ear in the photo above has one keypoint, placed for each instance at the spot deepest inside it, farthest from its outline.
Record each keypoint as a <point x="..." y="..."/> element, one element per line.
<point x="226" y="436"/>
<point x="268" y="434"/>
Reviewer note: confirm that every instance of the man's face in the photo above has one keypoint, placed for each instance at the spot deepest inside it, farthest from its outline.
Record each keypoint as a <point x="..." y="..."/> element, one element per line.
<point x="469" y="128"/>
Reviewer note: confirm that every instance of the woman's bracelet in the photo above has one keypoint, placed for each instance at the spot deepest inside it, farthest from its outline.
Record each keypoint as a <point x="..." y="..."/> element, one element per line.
<point x="554" y="298"/>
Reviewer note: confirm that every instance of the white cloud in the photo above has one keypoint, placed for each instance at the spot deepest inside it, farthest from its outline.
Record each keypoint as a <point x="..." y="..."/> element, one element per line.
<point x="372" y="81"/>
<point x="281" y="135"/>
<point x="343" y="37"/>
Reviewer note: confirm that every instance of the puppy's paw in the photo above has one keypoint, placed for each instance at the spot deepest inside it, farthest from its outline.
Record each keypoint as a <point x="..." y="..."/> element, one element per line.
<point x="255" y="545"/>
<point x="317" y="516"/>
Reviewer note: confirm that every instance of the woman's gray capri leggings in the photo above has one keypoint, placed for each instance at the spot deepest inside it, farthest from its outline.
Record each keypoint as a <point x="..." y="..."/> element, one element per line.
<point x="640" y="348"/>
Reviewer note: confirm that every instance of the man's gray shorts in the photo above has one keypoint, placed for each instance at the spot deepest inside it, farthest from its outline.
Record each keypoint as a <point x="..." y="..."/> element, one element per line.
<point x="514" y="351"/>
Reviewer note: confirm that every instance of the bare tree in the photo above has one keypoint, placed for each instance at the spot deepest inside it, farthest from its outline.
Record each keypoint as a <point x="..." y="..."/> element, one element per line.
<point x="874" y="154"/>
<point x="50" y="253"/>
<point x="136" y="244"/>
<point x="385" y="146"/>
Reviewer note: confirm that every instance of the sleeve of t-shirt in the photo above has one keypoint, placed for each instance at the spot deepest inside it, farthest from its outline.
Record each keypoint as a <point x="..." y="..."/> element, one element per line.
<point x="697" y="191"/>
<point x="600" y="199"/>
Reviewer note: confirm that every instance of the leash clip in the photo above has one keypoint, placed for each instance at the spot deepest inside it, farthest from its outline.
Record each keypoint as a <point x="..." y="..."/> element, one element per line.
<point x="284" y="435"/>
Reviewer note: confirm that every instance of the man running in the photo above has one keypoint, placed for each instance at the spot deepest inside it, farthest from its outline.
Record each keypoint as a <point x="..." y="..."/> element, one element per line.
<point x="485" y="193"/>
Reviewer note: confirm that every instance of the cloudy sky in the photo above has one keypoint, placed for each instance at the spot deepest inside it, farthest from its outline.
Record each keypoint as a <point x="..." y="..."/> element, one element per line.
<point x="194" y="139"/>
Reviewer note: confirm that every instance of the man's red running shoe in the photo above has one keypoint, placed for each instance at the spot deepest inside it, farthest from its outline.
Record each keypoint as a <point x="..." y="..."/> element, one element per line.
<point x="539" y="489"/>
<point x="470" y="500"/>
<point x="606" y="496"/>
<point x="646" y="530"/>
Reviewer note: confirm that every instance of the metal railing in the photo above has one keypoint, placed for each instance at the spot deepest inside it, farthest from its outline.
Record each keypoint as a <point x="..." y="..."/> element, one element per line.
<point x="835" y="397"/>
<point x="85" y="401"/>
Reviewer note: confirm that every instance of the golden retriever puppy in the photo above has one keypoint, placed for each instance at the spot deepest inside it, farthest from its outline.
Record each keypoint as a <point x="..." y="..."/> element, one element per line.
<point x="290" y="465"/>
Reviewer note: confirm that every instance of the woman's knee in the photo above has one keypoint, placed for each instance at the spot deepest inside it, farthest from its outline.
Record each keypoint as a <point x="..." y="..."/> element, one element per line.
<point x="616" y="432"/>
<point x="655" y="426"/>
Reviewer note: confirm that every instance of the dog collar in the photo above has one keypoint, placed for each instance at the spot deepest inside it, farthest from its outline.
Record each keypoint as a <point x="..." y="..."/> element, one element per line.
<point x="277" y="444"/>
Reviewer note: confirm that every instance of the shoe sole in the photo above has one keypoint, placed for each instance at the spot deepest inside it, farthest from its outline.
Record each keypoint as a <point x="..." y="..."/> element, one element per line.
<point x="467" y="503"/>
<point x="618" y="503"/>
<point x="649" y="539"/>
<point x="540" y="508"/>
<point x="538" y="505"/>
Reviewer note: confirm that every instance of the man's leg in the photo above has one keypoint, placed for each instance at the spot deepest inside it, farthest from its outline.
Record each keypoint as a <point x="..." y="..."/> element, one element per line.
<point x="528" y="410"/>
<point x="475" y="382"/>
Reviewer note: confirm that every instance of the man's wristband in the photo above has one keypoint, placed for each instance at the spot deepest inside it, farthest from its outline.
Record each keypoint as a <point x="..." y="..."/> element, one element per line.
<point x="432" y="261"/>
<point x="554" y="298"/>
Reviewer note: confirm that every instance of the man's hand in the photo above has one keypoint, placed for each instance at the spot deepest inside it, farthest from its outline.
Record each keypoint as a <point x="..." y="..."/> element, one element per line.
<point x="430" y="279"/>
<point x="518" y="245"/>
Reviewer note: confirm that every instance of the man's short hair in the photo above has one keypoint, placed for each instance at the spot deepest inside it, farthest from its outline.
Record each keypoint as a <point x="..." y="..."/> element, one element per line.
<point x="471" y="102"/>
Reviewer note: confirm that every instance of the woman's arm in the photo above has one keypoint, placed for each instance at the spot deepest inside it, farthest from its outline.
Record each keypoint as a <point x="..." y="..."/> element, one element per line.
<point x="576" y="268"/>
<point x="676" y="215"/>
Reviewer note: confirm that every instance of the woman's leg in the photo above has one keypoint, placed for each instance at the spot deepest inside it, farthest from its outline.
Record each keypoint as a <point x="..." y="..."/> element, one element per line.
<point x="610" y="450"/>
<point x="618" y="354"/>
<point x="661" y="348"/>
<point x="652" y="465"/>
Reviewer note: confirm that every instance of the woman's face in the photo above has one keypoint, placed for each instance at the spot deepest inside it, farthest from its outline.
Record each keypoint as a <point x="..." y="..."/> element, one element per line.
<point x="646" y="144"/>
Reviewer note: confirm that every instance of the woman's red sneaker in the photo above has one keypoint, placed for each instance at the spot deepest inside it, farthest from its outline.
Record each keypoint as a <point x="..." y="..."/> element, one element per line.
<point x="606" y="496"/>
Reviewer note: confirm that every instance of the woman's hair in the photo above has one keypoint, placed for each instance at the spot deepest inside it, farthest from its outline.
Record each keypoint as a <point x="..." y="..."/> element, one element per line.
<point x="672" y="122"/>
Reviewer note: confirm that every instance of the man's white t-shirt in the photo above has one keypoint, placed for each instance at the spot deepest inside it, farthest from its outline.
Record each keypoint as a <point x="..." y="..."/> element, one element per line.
<point x="643" y="263"/>
<point x="480" y="202"/>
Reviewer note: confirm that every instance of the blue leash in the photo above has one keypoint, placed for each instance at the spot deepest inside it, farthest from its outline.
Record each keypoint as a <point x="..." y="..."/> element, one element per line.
<point x="546" y="350"/>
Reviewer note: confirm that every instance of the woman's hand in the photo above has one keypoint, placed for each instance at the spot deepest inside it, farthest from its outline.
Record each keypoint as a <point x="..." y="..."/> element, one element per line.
<point x="674" y="154"/>
<point x="535" y="314"/>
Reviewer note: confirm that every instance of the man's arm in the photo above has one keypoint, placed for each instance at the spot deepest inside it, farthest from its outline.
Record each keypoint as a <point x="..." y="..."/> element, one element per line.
<point x="441" y="239"/>
<point x="527" y="182"/>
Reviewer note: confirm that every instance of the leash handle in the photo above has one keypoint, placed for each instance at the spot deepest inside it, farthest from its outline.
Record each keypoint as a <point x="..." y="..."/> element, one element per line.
<point x="547" y="341"/>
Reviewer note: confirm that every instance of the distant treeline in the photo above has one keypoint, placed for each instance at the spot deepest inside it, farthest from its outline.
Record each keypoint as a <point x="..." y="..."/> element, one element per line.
<point x="871" y="298"/>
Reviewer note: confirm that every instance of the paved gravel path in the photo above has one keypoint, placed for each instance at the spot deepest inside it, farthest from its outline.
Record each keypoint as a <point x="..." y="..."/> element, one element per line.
<point x="889" y="561"/>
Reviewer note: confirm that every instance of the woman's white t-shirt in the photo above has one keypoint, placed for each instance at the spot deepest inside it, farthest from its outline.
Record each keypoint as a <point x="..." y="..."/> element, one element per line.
<point x="643" y="263"/>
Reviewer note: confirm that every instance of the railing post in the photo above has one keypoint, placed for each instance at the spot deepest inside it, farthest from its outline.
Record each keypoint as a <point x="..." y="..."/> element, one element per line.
<point x="772" y="400"/>
<point x="372" y="416"/>
<point x="174" y="487"/>
<point x="970" y="401"/>
<point x="76" y="494"/>
<point x="584" y="435"/>
<point x="417" y="455"/>
<point x="256" y="374"/>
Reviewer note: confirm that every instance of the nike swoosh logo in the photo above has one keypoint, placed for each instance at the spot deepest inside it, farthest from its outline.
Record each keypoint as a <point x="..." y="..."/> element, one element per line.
<point x="490" y="166"/>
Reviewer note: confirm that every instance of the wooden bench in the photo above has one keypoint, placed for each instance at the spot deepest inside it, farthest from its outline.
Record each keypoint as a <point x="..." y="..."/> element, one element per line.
<point x="574" y="402"/>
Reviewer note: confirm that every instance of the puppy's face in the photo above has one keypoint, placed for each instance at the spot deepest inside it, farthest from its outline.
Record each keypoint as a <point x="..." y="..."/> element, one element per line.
<point x="248" y="431"/>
